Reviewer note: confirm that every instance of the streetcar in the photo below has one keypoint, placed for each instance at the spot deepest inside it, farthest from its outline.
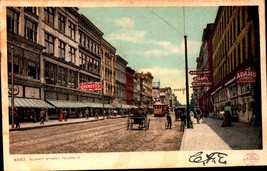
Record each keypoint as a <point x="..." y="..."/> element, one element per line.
<point x="160" y="109"/>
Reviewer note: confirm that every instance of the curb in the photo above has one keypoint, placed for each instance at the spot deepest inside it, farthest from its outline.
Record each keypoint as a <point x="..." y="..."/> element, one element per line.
<point x="57" y="124"/>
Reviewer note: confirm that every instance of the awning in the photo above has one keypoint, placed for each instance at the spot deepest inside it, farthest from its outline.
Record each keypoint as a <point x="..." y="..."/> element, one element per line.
<point x="93" y="105"/>
<point x="108" y="106"/>
<point x="67" y="104"/>
<point x="34" y="103"/>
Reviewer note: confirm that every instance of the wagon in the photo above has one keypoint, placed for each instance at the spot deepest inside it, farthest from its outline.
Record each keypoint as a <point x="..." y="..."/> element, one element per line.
<point x="141" y="121"/>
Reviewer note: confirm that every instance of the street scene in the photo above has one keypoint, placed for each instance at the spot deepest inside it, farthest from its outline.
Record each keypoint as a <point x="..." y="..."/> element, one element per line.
<point x="83" y="79"/>
<point x="109" y="135"/>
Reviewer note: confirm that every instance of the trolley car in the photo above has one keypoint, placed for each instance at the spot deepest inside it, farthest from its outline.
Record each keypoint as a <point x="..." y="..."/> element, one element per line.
<point x="160" y="109"/>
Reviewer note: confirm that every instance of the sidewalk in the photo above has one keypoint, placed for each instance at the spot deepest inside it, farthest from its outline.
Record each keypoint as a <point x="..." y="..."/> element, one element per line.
<point x="209" y="135"/>
<point x="55" y="122"/>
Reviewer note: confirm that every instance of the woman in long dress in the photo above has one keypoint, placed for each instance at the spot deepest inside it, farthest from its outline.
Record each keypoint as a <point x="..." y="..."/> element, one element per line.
<point x="227" y="115"/>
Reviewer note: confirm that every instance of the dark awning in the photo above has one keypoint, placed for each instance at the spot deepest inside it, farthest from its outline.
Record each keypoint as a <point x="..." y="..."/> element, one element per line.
<point x="34" y="103"/>
<point x="67" y="104"/>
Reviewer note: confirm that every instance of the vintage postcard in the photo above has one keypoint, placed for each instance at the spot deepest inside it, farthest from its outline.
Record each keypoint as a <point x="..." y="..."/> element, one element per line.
<point x="118" y="84"/>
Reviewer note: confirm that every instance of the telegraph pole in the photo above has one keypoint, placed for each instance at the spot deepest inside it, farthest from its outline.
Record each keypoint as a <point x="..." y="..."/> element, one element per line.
<point x="12" y="85"/>
<point x="186" y="82"/>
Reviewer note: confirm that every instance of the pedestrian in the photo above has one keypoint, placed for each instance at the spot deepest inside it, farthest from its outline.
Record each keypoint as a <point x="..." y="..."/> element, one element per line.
<point x="169" y="120"/>
<point x="183" y="118"/>
<point x="65" y="115"/>
<point x="227" y="115"/>
<point x="16" y="118"/>
<point x="34" y="116"/>
<point x="60" y="115"/>
<point x="87" y="113"/>
<point x="198" y="113"/>
<point x="42" y="116"/>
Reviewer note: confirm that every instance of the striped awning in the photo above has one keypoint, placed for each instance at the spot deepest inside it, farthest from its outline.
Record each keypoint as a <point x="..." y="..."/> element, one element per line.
<point x="108" y="106"/>
<point x="33" y="103"/>
<point x="93" y="105"/>
<point x="67" y="104"/>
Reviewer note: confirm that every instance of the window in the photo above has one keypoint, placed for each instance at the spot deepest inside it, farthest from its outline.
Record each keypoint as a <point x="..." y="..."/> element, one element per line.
<point x="12" y="21"/>
<point x="30" y="30"/>
<point x="32" y="10"/>
<point x="61" y="23"/>
<point x="33" y="69"/>
<point x="72" y="79"/>
<point x="49" y="43"/>
<point x="49" y="15"/>
<point x="61" y="76"/>
<point x="71" y="30"/>
<point x="72" y="55"/>
<point x="61" y="47"/>
<point x="50" y="73"/>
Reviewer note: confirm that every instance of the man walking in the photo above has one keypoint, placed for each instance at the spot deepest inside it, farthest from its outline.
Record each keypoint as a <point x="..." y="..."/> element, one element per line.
<point x="42" y="116"/>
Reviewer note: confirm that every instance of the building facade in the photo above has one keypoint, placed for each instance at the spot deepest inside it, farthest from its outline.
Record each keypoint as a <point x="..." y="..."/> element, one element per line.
<point x="120" y="88"/>
<point x="236" y="49"/>
<point x="129" y="85"/>
<point x="54" y="50"/>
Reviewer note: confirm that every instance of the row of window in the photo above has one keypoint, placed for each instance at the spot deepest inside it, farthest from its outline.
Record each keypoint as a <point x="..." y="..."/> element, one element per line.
<point x="57" y="75"/>
<point x="31" y="26"/>
<point x="88" y="63"/>
<point x="241" y="53"/>
<point x="88" y="43"/>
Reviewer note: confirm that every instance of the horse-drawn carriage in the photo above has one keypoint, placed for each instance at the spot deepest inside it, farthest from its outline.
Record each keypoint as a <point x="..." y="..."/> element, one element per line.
<point x="141" y="120"/>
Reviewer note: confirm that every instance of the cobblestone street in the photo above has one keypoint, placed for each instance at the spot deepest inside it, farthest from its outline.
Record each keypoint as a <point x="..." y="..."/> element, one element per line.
<point x="109" y="135"/>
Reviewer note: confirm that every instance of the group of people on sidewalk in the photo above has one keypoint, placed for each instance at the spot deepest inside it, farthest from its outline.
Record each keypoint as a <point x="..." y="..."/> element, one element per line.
<point x="16" y="117"/>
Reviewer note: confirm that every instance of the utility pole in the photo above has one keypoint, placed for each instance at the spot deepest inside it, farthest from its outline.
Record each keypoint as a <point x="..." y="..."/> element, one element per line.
<point x="103" y="99"/>
<point x="186" y="82"/>
<point x="12" y="85"/>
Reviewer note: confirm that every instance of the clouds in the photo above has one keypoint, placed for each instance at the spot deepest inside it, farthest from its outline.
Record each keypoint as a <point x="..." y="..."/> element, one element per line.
<point x="148" y="47"/>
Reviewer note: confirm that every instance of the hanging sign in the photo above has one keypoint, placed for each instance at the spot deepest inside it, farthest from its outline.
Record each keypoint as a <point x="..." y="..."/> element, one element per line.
<point x="245" y="76"/>
<point x="199" y="72"/>
<point x="201" y="84"/>
<point x="91" y="86"/>
<point x="201" y="78"/>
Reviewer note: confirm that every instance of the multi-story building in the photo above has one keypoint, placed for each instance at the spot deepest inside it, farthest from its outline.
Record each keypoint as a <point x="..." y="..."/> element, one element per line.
<point x="129" y="85"/>
<point x="149" y="80"/>
<point x="166" y="95"/>
<point x="108" y="70"/>
<point x="120" y="87"/>
<point x="25" y="58"/>
<point x="204" y="62"/>
<point x="136" y="87"/>
<point x="54" y="50"/>
<point x="236" y="54"/>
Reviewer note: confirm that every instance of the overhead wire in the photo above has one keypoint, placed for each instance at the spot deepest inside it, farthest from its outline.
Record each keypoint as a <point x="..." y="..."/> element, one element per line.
<point x="165" y="21"/>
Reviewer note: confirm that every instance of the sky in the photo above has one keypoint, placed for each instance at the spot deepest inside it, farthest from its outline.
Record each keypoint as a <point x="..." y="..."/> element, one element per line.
<point x="152" y="40"/>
